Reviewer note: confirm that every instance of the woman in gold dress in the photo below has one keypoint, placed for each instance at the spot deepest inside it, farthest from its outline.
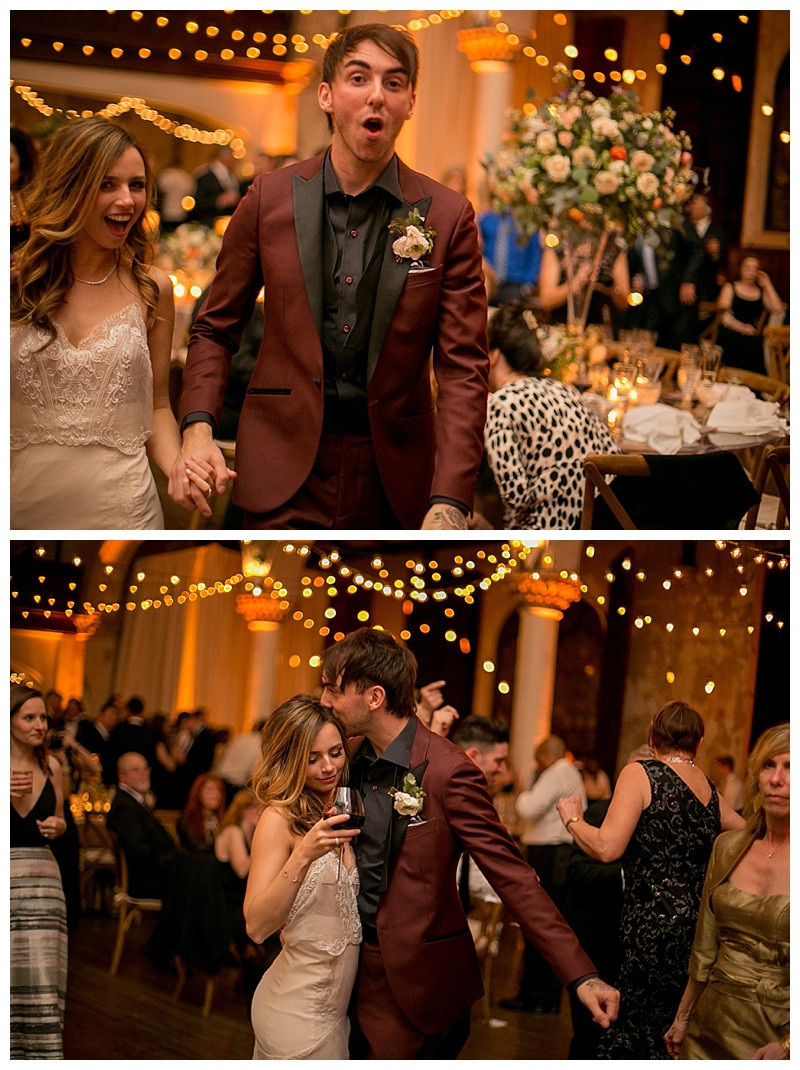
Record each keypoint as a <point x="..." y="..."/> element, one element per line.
<point x="736" y="1004"/>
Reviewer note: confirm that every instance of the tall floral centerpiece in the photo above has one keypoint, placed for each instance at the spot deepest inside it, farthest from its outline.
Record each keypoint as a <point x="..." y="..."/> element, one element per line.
<point x="583" y="165"/>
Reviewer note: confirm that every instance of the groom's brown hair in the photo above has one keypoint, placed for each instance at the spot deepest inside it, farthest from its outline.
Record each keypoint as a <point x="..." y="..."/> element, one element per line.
<point x="367" y="657"/>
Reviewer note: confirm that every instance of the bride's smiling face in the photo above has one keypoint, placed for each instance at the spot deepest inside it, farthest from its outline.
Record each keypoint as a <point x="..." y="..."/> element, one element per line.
<point x="120" y="201"/>
<point x="326" y="761"/>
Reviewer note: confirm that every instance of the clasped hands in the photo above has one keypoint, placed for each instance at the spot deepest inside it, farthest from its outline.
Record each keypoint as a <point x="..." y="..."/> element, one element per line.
<point x="199" y="470"/>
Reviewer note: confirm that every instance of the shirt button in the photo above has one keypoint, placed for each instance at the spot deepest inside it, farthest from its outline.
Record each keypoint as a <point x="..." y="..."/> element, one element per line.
<point x="353" y="233"/>
<point x="345" y="329"/>
<point x="349" y="279"/>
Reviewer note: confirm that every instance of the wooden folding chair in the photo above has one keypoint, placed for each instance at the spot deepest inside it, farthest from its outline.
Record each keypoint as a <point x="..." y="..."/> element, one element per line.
<point x="596" y="467"/>
<point x="772" y="479"/>
<point x="777" y="339"/>
<point x="131" y="909"/>
<point x="769" y="388"/>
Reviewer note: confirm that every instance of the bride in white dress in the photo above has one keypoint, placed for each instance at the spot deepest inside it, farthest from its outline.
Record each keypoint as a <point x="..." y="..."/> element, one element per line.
<point x="299" y="1010"/>
<point x="91" y="341"/>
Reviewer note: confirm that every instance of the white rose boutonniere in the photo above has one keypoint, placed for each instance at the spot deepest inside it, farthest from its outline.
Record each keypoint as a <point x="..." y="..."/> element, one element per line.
<point x="412" y="238"/>
<point x="408" y="800"/>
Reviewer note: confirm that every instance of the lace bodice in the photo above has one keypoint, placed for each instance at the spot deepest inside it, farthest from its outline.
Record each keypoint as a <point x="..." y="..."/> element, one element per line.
<point x="325" y="912"/>
<point x="97" y="392"/>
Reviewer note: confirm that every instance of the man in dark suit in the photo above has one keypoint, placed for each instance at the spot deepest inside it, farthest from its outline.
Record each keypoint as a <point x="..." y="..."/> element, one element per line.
<point x="715" y="247"/>
<point x="200" y="753"/>
<point x="149" y="849"/>
<point x="216" y="189"/>
<point x="339" y="426"/>
<point x="95" y="736"/>
<point x="425" y="804"/>
<point x="131" y="733"/>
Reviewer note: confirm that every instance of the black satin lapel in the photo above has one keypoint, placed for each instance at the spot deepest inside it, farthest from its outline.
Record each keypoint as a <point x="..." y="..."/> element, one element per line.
<point x="398" y="828"/>
<point x="307" y="206"/>
<point x="390" y="286"/>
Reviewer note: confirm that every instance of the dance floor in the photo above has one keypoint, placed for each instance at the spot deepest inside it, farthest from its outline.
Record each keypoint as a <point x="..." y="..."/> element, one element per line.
<point x="133" y="1016"/>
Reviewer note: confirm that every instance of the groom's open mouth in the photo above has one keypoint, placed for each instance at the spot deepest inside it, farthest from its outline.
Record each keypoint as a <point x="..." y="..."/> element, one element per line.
<point x="374" y="127"/>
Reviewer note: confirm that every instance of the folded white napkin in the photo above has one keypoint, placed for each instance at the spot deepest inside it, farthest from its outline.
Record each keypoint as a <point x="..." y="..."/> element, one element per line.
<point x="661" y="427"/>
<point x="716" y="392"/>
<point x="750" y="417"/>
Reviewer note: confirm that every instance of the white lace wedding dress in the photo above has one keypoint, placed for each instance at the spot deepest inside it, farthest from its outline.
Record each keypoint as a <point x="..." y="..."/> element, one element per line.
<point x="299" y="1009"/>
<point x="80" y="417"/>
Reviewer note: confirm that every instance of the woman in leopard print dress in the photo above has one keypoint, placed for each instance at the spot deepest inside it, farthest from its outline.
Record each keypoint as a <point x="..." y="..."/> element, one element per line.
<point x="538" y="430"/>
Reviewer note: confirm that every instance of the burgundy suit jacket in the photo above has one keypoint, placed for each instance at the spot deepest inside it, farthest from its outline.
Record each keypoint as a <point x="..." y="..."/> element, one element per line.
<point x="427" y="948"/>
<point x="424" y="446"/>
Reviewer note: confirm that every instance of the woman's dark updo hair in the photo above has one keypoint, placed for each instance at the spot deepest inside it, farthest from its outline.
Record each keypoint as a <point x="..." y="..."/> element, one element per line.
<point x="512" y="330"/>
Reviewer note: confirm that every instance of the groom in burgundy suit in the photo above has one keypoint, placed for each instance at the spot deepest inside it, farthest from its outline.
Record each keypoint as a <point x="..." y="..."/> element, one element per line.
<point x="340" y="426"/>
<point x="419" y="973"/>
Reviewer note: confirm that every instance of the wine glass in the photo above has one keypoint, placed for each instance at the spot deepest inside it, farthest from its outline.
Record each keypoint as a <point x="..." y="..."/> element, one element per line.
<point x="348" y="801"/>
<point x="689" y="372"/>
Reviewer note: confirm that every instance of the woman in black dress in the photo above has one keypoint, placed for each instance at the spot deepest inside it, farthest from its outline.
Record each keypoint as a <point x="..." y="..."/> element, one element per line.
<point x="662" y="821"/>
<point x="744" y="305"/>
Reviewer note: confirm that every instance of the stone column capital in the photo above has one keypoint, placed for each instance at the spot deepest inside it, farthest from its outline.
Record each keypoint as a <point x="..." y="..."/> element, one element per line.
<point x="547" y="591"/>
<point x="258" y="609"/>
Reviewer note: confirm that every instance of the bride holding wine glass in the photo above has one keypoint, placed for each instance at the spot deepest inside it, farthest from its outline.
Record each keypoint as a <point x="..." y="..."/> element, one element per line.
<point x="303" y="880"/>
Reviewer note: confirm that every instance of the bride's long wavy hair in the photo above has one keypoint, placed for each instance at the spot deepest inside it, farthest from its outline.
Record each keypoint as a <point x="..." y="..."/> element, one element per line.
<point x="59" y="201"/>
<point x="280" y="777"/>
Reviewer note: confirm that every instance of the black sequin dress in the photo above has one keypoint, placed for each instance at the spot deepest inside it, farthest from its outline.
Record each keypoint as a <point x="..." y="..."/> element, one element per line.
<point x="664" y="868"/>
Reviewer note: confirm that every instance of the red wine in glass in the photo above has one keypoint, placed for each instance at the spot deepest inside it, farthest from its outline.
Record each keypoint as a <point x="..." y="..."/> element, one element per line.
<point x="348" y="801"/>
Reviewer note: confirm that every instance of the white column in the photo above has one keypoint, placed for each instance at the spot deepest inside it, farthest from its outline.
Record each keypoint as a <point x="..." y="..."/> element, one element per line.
<point x="264" y="646"/>
<point x="534" y="681"/>
<point x="495" y="84"/>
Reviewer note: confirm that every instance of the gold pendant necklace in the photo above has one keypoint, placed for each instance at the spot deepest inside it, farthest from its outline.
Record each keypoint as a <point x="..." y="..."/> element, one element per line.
<point x="771" y="854"/>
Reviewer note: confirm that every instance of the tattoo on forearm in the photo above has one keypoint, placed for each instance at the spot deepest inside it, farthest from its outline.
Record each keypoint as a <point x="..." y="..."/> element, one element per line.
<point x="447" y="518"/>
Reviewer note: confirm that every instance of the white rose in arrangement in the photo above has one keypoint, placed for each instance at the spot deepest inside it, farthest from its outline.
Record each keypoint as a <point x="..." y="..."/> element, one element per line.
<point x="647" y="184"/>
<point x="599" y="107"/>
<point x="605" y="127"/>
<point x="570" y="116"/>
<point x="642" y="161"/>
<point x="606" y="183"/>
<point x="558" y="168"/>
<point x="545" y="142"/>
<point x="413" y="244"/>
<point x="619" y="167"/>
<point x="584" y="156"/>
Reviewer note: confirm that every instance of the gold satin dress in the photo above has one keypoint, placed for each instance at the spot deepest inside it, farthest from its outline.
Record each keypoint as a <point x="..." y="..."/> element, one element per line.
<point x="746" y="1002"/>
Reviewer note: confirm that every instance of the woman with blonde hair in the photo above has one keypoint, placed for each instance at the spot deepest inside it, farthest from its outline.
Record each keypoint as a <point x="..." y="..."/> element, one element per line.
<point x="736" y="1003"/>
<point x="296" y="884"/>
<point x="38" y="945"/>
<point x="91" y="341"/>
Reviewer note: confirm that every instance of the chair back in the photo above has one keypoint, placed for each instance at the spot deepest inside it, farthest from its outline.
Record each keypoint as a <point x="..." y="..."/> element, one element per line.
<point x="777" y="339"/>
<point x="770" y="388"/>
<point x="772" y="479"/>
<point x="596" y="467"/>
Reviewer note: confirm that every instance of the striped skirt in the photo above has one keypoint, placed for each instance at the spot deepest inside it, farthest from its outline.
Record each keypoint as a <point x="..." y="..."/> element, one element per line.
<point x="38" y="954"/>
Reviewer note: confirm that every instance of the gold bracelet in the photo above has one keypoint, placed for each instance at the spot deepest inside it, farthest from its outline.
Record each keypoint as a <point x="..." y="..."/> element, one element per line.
<point x="569" y="822"/>
<point x="784" y="1043"/>
<point x="285" y="873"/>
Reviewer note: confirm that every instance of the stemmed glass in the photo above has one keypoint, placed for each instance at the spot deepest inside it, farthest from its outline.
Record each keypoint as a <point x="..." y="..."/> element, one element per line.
<point x="688" y="372"/>
<point x="348" y="801"/>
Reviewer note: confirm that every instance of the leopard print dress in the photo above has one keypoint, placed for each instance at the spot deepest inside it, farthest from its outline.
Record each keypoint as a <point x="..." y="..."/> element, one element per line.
<point x="538" y="432"/>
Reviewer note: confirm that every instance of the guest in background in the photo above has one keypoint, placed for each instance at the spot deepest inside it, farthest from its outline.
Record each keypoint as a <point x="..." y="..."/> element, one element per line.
<point x="163" y="765"/>
<point x="511" y="266"/>
<point x="95" y="736"/>
<point x="199" y="755"/>
<point x="201" y="819"/>
<point x="736" y="1004"/>
<point x="173" y="185"/>
<point x="715" y="248"/>
<point x="595" y="780"/>
<point x="663" y="819"/>
<point x="538" y="430"/>
<point x="239" y="759"/>
<point x="746" y="304"/>
<point x="232" y="850"/>
<point x="131" y="733"/>
<point x="38" y="944"/>
<point x="149" y="849"/>
<point x="216" y="188"/>
<point x="455" y="177"/>
<point x="729" y="785"/>
<point x="609" y="298"/>
<point x="433" y="711"/>
<point x="547" y="847"/>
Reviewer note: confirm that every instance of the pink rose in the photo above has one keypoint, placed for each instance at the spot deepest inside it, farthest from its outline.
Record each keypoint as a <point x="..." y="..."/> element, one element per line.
<point x="606" y="183"/>
<point x="565" y="138"/>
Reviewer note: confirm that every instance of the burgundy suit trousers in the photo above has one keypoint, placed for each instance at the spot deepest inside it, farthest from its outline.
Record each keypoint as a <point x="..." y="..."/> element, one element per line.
<point x="344" y="490"/>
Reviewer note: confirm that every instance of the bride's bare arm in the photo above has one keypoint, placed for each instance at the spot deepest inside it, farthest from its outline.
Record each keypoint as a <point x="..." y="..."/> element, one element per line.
<point x="279" y="862"/>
